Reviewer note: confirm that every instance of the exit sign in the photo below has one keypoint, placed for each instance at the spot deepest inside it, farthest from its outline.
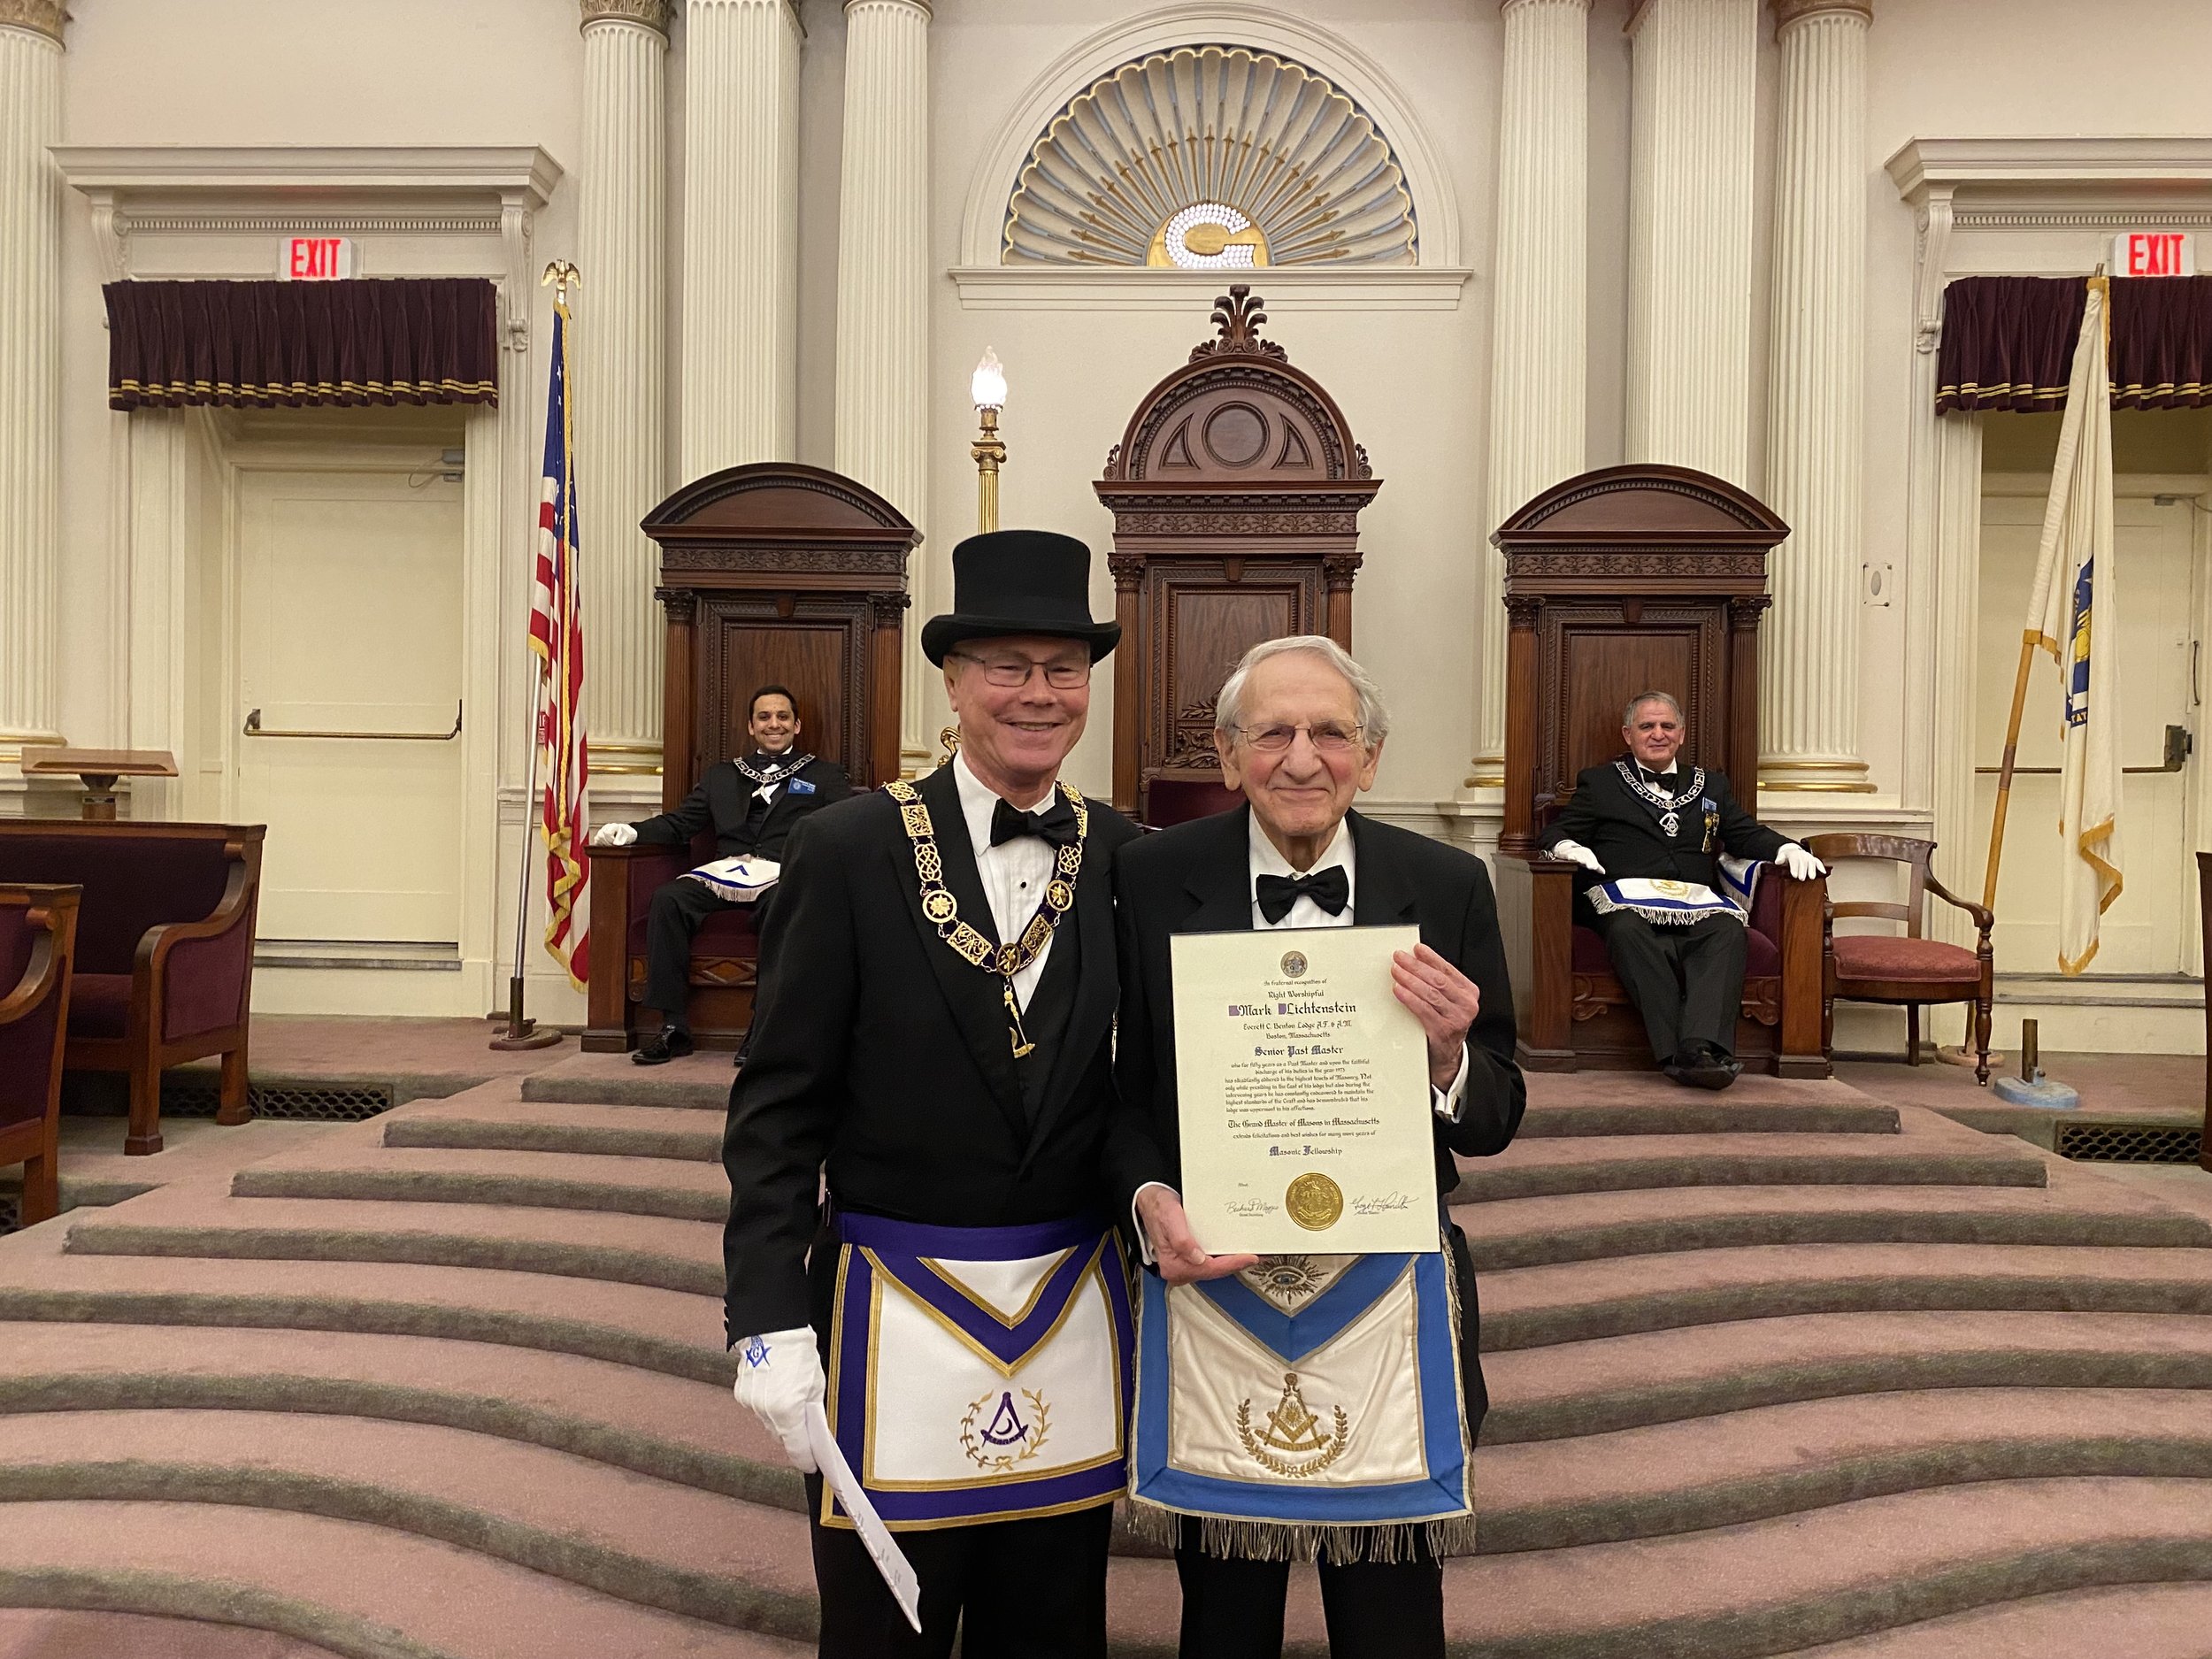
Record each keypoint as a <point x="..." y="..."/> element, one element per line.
<point x="2154" y="253"/>
<point x="315" y="258"/>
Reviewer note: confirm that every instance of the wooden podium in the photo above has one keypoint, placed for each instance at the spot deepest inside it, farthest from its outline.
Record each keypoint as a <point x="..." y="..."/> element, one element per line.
<point x="1627" y="580"/>
<point x="769" y="573"/>
<point x="1236" y="491"/>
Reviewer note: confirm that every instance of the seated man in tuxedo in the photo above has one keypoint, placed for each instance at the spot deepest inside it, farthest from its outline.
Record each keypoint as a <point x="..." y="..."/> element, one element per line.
<point x="1651" y="832"/>
<point x="753" y="803"/>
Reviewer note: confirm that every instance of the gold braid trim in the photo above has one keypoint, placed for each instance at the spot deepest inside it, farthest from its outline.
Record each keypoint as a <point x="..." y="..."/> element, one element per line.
<point x="943" y="910"/>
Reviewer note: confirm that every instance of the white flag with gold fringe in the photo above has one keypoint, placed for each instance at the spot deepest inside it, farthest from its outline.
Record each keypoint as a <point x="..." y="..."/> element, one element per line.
<point x="2071" y="614"/>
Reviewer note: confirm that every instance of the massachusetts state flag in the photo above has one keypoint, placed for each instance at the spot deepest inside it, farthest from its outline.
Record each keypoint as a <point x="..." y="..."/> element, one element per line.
<point x="2073" y="615"/>
<point x="557" y="635"/>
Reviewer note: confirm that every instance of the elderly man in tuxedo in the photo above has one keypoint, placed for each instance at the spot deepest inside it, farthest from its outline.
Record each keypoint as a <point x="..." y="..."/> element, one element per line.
<point x="753" y="803"/>
<point x="1300" y="728"/>
<point x="1652" y="833"/>
<point x="932" y="1051"/>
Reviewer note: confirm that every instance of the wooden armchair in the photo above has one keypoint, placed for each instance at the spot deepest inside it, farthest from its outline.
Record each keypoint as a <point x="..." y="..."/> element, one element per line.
<point x="38" y="940"/>
<point x="164" y="969"/>
<point x="725" y="955"/>
<point x="1617" y="581"/>
<point x="1911" y="970"/>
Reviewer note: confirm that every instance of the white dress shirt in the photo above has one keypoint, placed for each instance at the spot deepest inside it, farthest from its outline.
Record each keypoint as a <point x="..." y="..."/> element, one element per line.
<point x="1014" y="873"/>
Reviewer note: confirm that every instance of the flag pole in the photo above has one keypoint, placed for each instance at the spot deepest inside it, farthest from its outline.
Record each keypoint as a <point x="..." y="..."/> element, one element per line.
<point x="522" y="1032"/>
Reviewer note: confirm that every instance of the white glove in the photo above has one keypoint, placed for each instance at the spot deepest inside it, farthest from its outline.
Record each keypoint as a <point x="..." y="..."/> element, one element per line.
<point x="779" y="1376"/>
<point x="613" y="835"/>
<point x="1799" y="863"/>
<point x="1575" y="852"/>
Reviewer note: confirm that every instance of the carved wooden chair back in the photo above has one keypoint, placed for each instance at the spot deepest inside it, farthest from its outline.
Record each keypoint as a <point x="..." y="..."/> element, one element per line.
<point x="1905" y="849"/>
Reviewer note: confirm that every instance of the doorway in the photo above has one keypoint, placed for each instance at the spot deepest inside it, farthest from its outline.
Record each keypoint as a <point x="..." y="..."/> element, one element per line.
<point x="348" y="556"/>
<point x="2159" y="479"/>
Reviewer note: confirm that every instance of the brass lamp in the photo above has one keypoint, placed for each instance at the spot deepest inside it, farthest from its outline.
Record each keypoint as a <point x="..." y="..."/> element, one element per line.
<point x="988" y="388"/>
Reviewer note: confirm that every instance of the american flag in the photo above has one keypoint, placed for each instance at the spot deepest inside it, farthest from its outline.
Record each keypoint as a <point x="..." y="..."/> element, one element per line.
<point x="557" y="635"/>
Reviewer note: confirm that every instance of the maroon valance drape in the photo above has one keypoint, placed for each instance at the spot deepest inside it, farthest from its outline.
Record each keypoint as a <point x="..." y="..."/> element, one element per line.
<point x="2009" y="342"/>
<point x="431" y="340"/>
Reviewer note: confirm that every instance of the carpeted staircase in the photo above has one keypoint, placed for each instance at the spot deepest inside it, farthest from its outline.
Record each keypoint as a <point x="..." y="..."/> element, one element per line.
<point x="1787" y="1371"/>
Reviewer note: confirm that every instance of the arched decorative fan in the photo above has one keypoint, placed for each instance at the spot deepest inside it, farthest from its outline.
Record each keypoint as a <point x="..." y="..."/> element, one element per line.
<point x="1211" y="157"/>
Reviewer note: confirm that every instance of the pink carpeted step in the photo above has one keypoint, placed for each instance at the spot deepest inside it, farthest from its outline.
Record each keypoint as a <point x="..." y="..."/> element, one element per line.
<point x="1773" y="1587"/>
<point x="658" y="1330"/>
<point x="1778" y="1460"/>
<point x="1553" y="1111"/>
<point x="1577" y="1388"/>
<point x="682" y="1189"/>
<point x="519" y="1126"/>
<point x="1583" y="1227"/>
<point x="1544" y="1167"/>
<point x="651" y="1250"/>
<point x="652" y="1542"/>
<point x="691" y="1432"/>
<point x="1532" y="1307"/>
<point x="700" y="1082"/>
<point x="33" y="1632"/>
<point x="2123" y="1621"/>
<point x="346" y="1585"/>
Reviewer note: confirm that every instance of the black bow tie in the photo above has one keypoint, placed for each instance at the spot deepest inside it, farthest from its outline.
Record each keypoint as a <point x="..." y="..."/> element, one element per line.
<point x="1657" y="780"/>
<point x="1330" y="888"/>
<point x="1056" y="825"/>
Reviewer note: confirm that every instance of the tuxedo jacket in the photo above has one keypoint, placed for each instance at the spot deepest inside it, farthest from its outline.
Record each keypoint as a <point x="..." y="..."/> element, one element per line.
<point x="723" y="801"/>
<point x="1197" y="878"/>
<point x="1625" y="832"/>
<point x="880" y="1056"/>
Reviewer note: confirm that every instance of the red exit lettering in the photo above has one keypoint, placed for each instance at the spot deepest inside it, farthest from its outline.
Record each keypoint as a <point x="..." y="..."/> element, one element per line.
<point x="2154" y="253"/>
<point x="315" y="258"/>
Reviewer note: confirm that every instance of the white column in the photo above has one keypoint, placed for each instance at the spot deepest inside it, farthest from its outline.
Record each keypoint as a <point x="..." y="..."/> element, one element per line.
<point x="1695" y="84"/>
<point x="30" y="372"/>
<point x="739" y="347"/>
<point x="620" y="347"/>
<point x="1809" y="718"/>
<point x="1539" y="332"/>
<point x="883" y="292"/>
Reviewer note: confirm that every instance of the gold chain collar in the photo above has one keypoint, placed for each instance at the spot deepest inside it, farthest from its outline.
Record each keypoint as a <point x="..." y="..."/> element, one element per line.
<point x="942" y="911"/>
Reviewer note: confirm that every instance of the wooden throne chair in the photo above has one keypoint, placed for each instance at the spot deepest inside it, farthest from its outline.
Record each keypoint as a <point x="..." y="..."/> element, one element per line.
<point x="1622" y="581"/>
<point x="1236" y="492"/>
<point x="769" y="573"/>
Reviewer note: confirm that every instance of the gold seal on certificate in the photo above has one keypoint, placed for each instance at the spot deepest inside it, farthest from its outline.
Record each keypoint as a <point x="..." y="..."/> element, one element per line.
<point x="1303" y="1091"/>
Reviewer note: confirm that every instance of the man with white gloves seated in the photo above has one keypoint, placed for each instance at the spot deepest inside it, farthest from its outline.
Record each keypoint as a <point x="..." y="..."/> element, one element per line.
<point x="752" y="803"/>
<point x="1664" y="843"/>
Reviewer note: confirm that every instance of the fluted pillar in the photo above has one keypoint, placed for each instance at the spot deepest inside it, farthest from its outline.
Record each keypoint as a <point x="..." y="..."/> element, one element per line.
<point x="1809" y="720"/>
<point x="621" y="345"/>
<point x="741" y="232"/>
<point x="30" y="372"/>
<point x="883" y="290"/>
<point x="1538" y="334"/>
<point x="1694" y="81"/>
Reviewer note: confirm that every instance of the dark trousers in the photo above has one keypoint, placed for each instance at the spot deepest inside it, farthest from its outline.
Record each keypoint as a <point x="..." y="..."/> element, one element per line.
<point x="1031" y="1589"/>
<point x="680" y="909"/>
<point x="1686" y="982"/>
<point x="1233" y="1609"/>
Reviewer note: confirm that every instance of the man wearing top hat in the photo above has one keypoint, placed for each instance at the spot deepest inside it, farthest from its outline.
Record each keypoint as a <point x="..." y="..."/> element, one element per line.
<point x="932" y="1048"/>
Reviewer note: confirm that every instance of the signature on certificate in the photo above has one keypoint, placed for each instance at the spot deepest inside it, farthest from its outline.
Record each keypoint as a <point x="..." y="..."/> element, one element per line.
<point x="1248" y="1207"/>
<point x="1379" y="1203"/>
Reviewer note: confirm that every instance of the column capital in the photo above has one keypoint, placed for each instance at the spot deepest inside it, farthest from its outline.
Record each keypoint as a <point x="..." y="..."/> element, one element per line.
<point x="922" y="6"/>
<point x="1569" y="6"/>
<point x="41" y="17"/>
<point x="1789" y="11"/>
<point x="652" y="14"/>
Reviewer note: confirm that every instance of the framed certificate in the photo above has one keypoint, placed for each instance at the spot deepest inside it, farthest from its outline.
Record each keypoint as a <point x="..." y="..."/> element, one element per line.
<point x="1303" y="1084"/>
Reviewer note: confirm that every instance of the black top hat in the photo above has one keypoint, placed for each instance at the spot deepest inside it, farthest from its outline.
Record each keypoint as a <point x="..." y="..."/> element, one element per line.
<point x="1020" y="581"/>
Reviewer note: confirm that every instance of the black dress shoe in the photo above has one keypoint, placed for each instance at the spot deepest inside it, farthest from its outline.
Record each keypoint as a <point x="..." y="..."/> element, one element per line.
<point x="1701" y="1065"/>
<point x="661" y="1047"/>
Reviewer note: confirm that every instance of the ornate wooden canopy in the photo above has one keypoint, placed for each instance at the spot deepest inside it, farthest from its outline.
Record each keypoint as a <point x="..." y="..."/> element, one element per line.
<point x="1236" y="491"/>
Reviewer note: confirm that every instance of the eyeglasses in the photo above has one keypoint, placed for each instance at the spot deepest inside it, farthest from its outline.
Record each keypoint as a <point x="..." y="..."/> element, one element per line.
<point x="1010" y="672"/>
<point x="1327" y="738"/>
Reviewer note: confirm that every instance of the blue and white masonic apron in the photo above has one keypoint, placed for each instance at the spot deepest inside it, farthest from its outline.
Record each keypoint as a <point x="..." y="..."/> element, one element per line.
<point x="1304" y="1396"/>
<point x="979" y="1373"/>
<point x="1680" y="903"/>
